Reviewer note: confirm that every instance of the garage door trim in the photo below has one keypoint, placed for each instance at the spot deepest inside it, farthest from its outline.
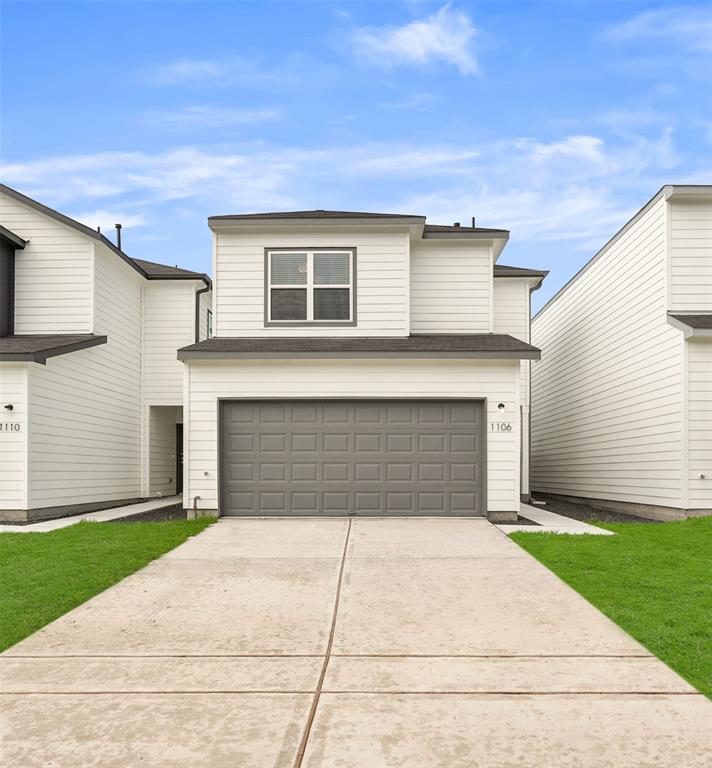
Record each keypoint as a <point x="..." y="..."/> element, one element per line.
<point x="377" y="398"/>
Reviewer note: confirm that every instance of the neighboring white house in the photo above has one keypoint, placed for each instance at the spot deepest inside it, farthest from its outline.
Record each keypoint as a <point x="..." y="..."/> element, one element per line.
<point x="91" y="392"/>
<point x="622" y="397"/>
<point x="361" y="363"/>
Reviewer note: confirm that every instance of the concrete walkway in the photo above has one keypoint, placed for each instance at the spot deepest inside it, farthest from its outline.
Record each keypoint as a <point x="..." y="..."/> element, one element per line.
<point x="366" y="644"/>
<point x="550" y="522"/>
<point x="102" y="516"/>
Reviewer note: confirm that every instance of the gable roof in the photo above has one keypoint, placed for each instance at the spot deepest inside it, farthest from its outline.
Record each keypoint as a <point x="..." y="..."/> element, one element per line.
<point x="135" y="264"/>
<point x="666" y="192"/>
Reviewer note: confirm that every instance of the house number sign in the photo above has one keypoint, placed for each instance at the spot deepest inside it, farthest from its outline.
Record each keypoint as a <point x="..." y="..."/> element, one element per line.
<point x="9" y="426"/>
<point x="501" y="426"/>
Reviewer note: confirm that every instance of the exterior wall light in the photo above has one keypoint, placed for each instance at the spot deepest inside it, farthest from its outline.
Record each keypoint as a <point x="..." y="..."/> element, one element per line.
<point x="500" y="407"/>
<point x="9" y="407"/>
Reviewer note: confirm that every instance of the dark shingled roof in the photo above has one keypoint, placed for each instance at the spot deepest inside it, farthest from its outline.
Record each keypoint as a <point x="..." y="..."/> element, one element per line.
<point x="37" y="348"/>
<point x="322" y="214"/>
<point x="316" y="214"/>
<point x="483" y="345"/>
<point x="701" y="321"/>
<point x="154" y="270"/>
<point x="450" y="228"/>
<point x="502" y="270"/>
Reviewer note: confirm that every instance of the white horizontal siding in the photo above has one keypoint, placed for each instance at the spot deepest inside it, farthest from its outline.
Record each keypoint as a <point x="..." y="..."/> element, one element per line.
<point x="168" y="324"/>
<point x="512" y="315"/>
<point x="52" y="274"/>
<point x="162" y="440"/>
<point x="451" y="287"/>
<point x="691" y="255"/>
<point x="699" y="424"/>
<point x="13" y="445"/>
<point x="206" y="305"/>
<point x="607" y="393"/>
<point x="85" y="406"/>
<point x="206" y="382"/>
<point x="381" y="277"/>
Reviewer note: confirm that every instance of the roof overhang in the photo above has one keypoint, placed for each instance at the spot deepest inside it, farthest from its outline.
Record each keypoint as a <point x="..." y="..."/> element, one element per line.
<point x="37" y="349"/>
<point x="687" y="192"/>
<point x="15" y="240"/>
<point x="412" y="224"/>
<point x="694" y="326"/>
<point x="497" y="239"/>
<point x="424" y="346"/>
<point x="207" y="355"/>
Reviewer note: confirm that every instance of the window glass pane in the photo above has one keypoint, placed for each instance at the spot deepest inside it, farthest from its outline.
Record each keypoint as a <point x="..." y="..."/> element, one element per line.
<point x="289" y="303"/>
<point x="331" y="269"/>
<point x="289" y="268"/>
<point x="331" y="303"/>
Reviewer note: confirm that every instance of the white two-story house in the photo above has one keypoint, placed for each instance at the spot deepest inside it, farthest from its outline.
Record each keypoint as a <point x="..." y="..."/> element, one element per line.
<point x="91" y="393"/>
<point x="361" y="364"/>
<point x="622" y="397"/>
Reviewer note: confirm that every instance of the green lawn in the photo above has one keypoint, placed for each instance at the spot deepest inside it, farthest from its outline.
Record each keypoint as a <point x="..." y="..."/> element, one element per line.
<point x="44" y="575"/>
<point x="655" y="581"/>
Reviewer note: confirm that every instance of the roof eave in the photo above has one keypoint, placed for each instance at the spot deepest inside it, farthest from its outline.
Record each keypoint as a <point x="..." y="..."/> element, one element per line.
<point x="42" y="355"/>
<point x="195" y="277"/>
<point x="197" y="355"/>
<point x="225" y="223"/>
<point x="11" y="237"/>
<point x="689" y="331"/>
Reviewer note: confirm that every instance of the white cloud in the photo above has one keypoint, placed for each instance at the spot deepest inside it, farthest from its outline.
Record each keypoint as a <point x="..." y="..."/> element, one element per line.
<point x="445" y="36"/>
<point x="207" y="117"/>
<point x="187" y="70"/>
<point x="107" y="220"/>
<point x="572" y="189"/>
<point x="690" y="28"/>
<point x="231" y="69"/>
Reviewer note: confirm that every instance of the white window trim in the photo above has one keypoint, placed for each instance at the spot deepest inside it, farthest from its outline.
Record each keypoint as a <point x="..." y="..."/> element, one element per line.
<point x="309" y="286"/>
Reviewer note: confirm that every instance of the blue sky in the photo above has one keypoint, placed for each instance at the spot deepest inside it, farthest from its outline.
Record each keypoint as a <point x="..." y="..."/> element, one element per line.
<point x="556" y="120"/>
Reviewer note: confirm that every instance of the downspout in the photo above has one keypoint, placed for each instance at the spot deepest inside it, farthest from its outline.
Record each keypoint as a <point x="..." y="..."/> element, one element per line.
<point x="197" y="311"/>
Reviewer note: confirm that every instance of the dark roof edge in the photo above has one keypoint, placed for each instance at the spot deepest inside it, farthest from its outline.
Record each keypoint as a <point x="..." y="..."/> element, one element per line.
<point x="462" y="233"/>
<point x="84" y="229"/>
<point x="41" y="356"/>
<point x="520" y="271"/>
<point x="183" y="355"/>
<point x="16" y="240"/>
<point x="660" y="194"/>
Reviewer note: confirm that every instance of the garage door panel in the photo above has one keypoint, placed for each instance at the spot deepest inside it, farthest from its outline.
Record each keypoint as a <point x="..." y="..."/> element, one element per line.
<point x="360" y="457"/>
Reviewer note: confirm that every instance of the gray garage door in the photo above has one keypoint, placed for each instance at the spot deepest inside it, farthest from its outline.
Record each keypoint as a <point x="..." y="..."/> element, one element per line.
<point x="355" y="457"/>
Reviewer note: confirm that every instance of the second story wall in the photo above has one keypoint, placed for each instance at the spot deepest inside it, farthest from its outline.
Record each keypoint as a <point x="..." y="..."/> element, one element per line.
<point x="607" y="393"/>
<point x="690" y="240"/>
<point x="169" y="323"/>
<point x="451" y="287"/>
<point x="382" y="279"/>
<point x="53" y="279"/>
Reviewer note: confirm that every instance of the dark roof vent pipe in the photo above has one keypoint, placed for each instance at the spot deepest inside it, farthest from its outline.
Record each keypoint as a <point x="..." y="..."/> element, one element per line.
<point x="118" y="236"/>
<point x="473" y="222"/>
<point x="456" y="224"/>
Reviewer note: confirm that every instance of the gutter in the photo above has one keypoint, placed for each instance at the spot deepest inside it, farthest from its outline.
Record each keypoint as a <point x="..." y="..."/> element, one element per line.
<point x="197" y="310"/>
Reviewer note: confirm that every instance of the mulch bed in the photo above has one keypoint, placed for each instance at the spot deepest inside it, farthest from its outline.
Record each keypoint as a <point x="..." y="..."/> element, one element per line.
<point x="586" y="513"/>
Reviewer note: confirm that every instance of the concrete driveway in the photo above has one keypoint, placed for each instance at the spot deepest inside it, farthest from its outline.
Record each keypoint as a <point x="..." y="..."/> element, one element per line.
<point x="364" y="643"/>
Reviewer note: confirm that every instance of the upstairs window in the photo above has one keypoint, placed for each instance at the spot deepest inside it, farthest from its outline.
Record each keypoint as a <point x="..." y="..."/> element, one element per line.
<point x="311" y="286"/>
